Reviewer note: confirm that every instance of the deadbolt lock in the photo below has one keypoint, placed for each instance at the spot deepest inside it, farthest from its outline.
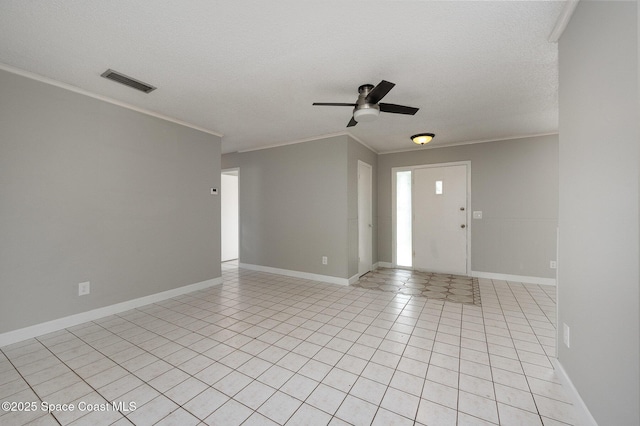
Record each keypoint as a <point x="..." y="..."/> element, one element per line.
<point x="461" y="209"/>
<point x="463" y="226"/>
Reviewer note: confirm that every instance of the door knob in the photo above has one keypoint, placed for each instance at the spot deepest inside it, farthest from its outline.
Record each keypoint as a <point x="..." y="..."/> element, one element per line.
<point x="461" y="209"/>
<point x="463" y="226"/>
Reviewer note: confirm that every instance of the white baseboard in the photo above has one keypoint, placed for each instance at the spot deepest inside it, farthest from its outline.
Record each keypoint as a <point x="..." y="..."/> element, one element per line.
<point x="21" y="334"/>
<point x="514" y="278"/>
<point x="584" y="415"/>
<point x="296" y="274"/>
<point x="385" y="265"/>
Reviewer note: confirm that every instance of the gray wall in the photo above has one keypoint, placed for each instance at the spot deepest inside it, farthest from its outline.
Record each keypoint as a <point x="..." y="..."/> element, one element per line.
<point x="513" y="182"/>
<point x="598" y="275"/>
<point x="293" y="206"/>
<point x="90" y="191"/>
<point x="298" y="203"/>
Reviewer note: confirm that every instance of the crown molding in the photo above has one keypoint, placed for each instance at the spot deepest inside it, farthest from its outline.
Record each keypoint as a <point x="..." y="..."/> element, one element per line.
<point x="563" y="20"/>
<point x="429" y="146"/>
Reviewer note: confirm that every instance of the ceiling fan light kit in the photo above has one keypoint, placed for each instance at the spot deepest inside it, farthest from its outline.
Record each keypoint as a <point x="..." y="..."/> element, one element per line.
<point x="365" y="115"/>
<point x="422" y="138"/>
<point x="368" y="106"/>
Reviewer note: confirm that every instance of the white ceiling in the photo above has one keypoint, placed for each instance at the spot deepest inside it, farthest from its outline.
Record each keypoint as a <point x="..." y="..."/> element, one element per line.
<point x="250" y="69"/>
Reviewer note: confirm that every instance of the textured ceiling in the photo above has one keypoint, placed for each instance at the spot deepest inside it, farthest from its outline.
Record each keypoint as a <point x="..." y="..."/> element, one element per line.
<point x="250" y="69"/>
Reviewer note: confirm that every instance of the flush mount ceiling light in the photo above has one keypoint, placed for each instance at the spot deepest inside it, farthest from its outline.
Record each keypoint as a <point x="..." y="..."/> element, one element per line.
<point x="422" y="138"/>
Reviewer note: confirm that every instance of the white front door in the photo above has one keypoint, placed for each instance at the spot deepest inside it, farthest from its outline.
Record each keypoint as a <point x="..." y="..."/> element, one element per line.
<point x="440" y="219"/>
<point x="365" y="218"/>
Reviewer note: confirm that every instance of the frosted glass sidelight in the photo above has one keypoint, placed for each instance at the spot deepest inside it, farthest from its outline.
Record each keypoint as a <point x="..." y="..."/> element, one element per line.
<point x="403" y="219"/>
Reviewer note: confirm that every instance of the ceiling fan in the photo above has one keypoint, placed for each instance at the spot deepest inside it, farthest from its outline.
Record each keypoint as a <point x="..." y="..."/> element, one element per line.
<point x="368" y="106"/>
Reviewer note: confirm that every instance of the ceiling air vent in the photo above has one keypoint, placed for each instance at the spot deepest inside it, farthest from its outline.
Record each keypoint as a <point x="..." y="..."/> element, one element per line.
<point x="127" y="81"/>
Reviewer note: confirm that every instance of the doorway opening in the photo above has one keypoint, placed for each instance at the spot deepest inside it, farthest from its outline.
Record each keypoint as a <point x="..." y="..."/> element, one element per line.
<point x="229" y="213"/>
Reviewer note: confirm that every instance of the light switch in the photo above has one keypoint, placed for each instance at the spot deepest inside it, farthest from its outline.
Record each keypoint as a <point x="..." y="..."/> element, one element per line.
<point x="477" y="215"/>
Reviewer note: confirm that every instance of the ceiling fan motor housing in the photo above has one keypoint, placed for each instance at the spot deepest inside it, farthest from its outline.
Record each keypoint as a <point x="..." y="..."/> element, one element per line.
<point x="365" y="112"/>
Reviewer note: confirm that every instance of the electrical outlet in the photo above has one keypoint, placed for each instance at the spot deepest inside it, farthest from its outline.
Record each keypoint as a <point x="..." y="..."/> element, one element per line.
<point x="553" y="264"/>
<point x="566" y="337"/>
<point x="325" y="260"/>
<point x="84" y="288"/>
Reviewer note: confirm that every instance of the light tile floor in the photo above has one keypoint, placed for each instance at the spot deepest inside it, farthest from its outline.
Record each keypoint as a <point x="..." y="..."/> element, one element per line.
<point x="265" y="349"/>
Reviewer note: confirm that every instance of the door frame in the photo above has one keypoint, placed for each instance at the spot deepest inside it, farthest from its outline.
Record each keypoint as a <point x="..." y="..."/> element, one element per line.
<point x="394" y="171"/>
<point x="369" y="167"/>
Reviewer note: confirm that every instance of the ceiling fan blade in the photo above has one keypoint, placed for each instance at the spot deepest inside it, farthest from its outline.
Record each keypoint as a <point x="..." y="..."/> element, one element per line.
<point x="333" y="104"/>
<point x="398" y="109"/>
<point x="379" y="92"/>
<point x="352" y="122"/>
